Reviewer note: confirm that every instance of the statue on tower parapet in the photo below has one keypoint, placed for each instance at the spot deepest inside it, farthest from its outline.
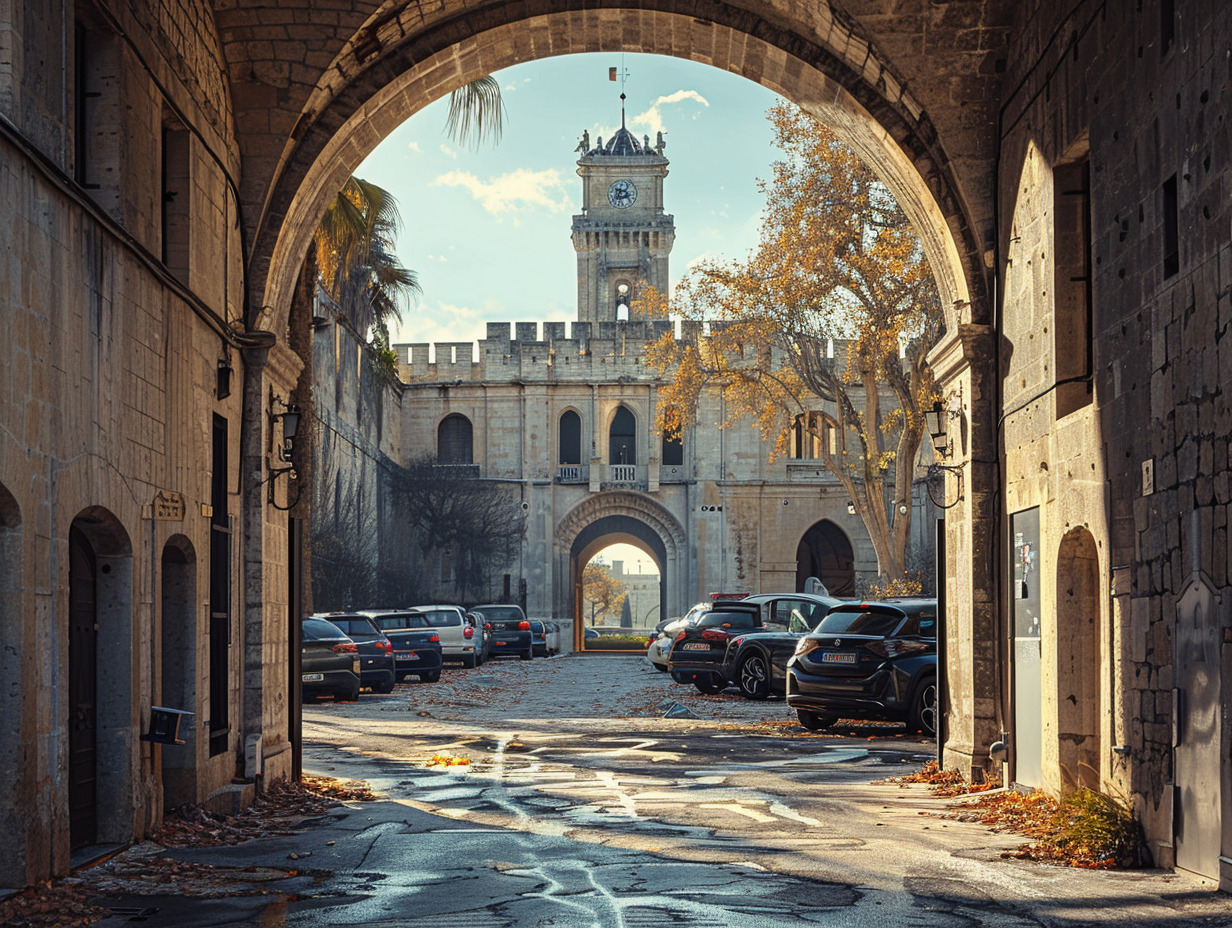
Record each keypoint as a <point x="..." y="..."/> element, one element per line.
<point x="660" y="144"/>
<point x="584" y="145"/>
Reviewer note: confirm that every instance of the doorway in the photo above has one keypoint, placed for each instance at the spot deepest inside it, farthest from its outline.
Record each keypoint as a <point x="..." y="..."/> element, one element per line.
<point x="825" y="553"/>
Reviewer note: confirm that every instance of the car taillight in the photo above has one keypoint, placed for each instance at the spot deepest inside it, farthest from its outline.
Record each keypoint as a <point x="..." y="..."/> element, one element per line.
<point x="523" y="626"/>
<point x="434" y="638"/>
<point x="468" y="632"/>
<point x="679" y="635"/>
<point x="345" y="647"/>
<point x="896" y="647"/>
<point x="716" y="634"/>
<point x="805" y="645"/>
<point x="385" y="645"/>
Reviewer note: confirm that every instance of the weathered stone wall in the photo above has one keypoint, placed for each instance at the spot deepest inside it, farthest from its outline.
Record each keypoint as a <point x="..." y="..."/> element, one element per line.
<point x="1106" y="80"/>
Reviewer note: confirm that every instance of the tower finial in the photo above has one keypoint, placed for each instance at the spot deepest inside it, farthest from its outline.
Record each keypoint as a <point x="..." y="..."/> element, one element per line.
<point x="622" y="111"/>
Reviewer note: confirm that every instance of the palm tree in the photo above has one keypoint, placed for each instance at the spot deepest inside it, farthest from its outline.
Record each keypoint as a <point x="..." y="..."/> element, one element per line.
<point x="476" y="113"/>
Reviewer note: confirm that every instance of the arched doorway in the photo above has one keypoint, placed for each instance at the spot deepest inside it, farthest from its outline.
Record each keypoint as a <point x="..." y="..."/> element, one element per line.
<point x="599" y="535"/>
<point x="12" y="633"/>
<point x="825" y="552"/>
<point x="619" y="516"/>
<point x="100" y="663"/>
<point x="1078" y="702"/>
<point x="622" y="438"/>
<point x="179" y="666"/>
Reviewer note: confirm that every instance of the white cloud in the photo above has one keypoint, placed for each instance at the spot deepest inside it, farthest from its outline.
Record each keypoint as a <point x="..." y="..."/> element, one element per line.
<point x="514" y="191"/>
<point x="445" y="149"/>
<point x="652" y="119"/>
<point x="414" y="146"/>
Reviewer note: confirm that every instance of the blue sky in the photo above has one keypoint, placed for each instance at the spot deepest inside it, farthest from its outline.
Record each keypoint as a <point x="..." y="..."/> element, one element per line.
<point x="488" y="230"/>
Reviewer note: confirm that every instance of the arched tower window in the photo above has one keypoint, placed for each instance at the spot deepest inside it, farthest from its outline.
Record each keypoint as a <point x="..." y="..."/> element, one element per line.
<point x="622" y="298"/>
<point x="455" y="440"/>
<point x="622" y="438"/>
<point x="570" y="438"/>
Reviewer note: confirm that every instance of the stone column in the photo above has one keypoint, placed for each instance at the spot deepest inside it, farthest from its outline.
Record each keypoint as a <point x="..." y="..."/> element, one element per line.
<point x="975" y="647"/>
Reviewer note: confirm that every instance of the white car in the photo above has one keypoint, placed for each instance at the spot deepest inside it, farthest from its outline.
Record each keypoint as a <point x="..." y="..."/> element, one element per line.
<point x="460" y="640"/>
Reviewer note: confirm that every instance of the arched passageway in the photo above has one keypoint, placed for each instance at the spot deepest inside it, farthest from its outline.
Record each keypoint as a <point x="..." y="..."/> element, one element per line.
<point x="600" y="534"/>
<point x="1079" y="700"/>
<point x="100" y="718"/>
<point x="825" y="552"/>
<point x="385" y="71"/>
<point x="179" y="666"/>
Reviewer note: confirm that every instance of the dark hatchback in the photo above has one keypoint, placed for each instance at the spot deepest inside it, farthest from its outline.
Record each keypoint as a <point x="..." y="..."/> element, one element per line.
<point x="700" y="646"/>
<point x="539" y="637"/>
<point x="376" y="658"/>
<point x="416" y="646"/>
<point x="868" y="661"/>
<point x="757" y="662"/>
<point x="511" y="632"/>
<point x="329" y="660"/>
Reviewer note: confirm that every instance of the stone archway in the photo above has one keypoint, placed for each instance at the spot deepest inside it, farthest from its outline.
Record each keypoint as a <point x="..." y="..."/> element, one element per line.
<point x="312" y="134"/>
<point x="1079" y="704"/>
<point x="825" y="552"/>
<point x="100" y="720"/>
<point x="614" y="517"/>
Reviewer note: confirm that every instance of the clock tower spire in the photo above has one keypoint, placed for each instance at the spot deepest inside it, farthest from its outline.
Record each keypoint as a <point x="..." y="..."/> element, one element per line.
<point x="622" y="236"/>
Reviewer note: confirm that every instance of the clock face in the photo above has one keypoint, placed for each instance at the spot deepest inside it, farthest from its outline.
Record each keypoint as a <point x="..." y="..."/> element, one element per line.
<point x="622" y="194"/>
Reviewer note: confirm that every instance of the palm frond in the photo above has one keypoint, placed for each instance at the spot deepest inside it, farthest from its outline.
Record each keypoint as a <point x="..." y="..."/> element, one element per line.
<point x="476" y="113"/>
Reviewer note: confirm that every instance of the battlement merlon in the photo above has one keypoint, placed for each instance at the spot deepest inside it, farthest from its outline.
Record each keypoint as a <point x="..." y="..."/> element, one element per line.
<point x="597" y="352"/>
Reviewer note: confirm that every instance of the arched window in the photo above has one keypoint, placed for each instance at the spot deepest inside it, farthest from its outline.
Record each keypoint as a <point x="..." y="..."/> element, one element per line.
<point x="454" y="440"/>
<point x="622" y="299"/>
<point x="622" y="438"/>
<point x="570" y="438"/>
<point x="808" y="431"/>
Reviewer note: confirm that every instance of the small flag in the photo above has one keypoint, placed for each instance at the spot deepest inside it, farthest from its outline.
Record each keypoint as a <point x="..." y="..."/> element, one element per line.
<point x="611" y="74"/>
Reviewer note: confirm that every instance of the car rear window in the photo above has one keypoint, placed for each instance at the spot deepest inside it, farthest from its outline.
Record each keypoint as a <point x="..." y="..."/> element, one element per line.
<point x="319" y="629"/>
<point x="496" y="614"/>
<point x="859" y="622"/>
<point x="441" y="618"/>
<point x="401" y="620"/>
<point x="356" y="626"/>
<point x="537" y="626"/>
<point x="719" y="619"/>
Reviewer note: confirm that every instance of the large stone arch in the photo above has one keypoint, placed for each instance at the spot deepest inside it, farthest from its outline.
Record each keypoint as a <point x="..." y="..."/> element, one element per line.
<point x="671" y="550"/>
<point x="397" y="62"/>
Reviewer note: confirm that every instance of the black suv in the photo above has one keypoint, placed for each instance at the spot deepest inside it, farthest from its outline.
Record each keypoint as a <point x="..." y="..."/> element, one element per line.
<point x="757" y="662"/>
<point x="868" y="661"/>
<point x="699" y="648"/>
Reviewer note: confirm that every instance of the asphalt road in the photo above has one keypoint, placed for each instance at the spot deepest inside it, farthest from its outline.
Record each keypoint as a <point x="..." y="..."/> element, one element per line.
<point x="583" y="806"/>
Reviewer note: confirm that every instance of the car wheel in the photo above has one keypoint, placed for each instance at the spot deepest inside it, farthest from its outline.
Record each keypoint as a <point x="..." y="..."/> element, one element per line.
<point x="431" y="677"/>
<point x="815" y="721"/>
<point x="385" y="688"/>
<point x="924" y="706"/>
<point x="351" y="695"/>
<point x="658" y="667"/>
<point x="710" y="683"/>
<point x="530" y="653"/>
<point x="754" y="677"/>
<point x="468" y="660"/>
<point x="678" y="677"/>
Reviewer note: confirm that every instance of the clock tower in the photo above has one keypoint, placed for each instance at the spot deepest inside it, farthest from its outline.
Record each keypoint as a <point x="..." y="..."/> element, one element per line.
<point x="622" y="236"/>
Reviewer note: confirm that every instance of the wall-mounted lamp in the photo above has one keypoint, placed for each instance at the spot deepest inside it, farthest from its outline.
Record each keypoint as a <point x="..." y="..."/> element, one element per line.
<point x="289" y="417"/>
<point x="851" y="508"/>
<point x="935" y="420"/>
<point x="902" y="509"/>
<point x="222" y="386"/>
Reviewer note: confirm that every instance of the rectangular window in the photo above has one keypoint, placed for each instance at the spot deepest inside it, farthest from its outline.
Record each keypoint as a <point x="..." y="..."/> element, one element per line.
<point x="1172" y="248"/>
<point x="220" y="593"/>
<point x="176" y="196"/>
<point x="1073" y="344"/>
<point x="98" y="139"/>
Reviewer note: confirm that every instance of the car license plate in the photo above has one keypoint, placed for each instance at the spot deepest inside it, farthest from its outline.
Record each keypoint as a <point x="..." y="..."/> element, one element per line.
<point x="407" y="656"/>
<point x="695" y="646"/>
<point x="838" y="657"/>
<point x="313" y="677"/>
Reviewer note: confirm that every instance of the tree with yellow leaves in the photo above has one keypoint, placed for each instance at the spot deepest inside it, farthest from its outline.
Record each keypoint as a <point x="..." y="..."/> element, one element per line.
<point x="839" y="267"/>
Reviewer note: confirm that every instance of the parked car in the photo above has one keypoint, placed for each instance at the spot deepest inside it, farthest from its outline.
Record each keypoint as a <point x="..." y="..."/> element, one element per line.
<point x="457" y="634"/>
<point x="660" y="644"/>
<point x="553" y="636"/>
<point x="483" y="633"/>
<point x="328" y="659"/>
<point x="757" y="663"/>
<point x="416" y="647"/>
<point x="539" y="635"/>
<point x="376" y="652"/>
<point x="511" y="632"/>
<point x="699" y="646"/>
<point x="868" y="661"/>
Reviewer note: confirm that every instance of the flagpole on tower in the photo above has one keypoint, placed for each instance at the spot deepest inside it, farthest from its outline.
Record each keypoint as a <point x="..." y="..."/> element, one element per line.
<point x="624" y="76"/>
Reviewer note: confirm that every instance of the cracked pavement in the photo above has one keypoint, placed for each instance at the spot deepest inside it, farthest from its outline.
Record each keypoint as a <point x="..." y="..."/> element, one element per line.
<point x="582" y="806"/>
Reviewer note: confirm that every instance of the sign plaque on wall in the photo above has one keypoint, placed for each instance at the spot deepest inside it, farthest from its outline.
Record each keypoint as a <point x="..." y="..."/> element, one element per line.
<point x="169" y="506"/>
